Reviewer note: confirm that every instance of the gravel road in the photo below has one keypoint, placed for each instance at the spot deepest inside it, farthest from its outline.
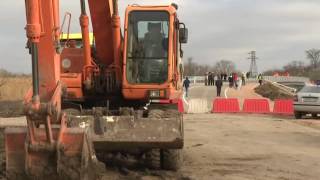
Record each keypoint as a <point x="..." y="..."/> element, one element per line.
<point x="235" y="147"/>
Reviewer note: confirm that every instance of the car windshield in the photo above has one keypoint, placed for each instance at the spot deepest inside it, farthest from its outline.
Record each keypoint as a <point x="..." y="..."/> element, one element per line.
<point x="147" y="47"/>
<point x="310" y="89"/>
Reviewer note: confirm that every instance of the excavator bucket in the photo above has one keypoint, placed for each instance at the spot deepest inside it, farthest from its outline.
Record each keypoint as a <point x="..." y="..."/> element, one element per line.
<point x="69" y="158"/>
<point x="118" y="133"/>
<point x="15" y="152"/>
<point x="74" y="155"/>
<point x="127" y="132"/>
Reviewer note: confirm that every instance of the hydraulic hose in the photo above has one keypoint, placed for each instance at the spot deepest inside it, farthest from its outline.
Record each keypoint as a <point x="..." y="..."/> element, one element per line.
<point x="35" y="69"/>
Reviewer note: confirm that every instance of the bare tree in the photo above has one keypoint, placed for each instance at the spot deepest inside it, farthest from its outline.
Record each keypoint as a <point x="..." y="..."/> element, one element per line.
<point x="190" y="68"/>
<point x="225" y="66"/>
<point x="193" y="69"/>
<point x="314" y="56"/>
<point x="295" y="68"/>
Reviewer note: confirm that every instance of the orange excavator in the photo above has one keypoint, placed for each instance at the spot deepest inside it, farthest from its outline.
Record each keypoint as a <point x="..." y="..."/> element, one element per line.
<point x="118" y="91"/>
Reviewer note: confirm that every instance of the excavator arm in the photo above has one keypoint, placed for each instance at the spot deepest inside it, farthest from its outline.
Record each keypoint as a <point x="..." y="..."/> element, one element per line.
<point x="46" y="146"/>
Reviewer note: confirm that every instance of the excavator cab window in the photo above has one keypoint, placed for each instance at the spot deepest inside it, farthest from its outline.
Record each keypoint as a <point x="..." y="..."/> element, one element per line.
<point x="147" y="47"/>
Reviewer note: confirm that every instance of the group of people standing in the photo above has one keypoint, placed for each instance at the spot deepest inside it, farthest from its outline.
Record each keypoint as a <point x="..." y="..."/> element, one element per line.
<point x="211" y="78"/>
<point x="215" y="80"/>
<point x="234" y="80"/>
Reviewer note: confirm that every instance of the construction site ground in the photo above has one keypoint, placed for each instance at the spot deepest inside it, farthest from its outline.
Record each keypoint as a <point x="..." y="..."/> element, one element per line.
<point x="232" y="146"/>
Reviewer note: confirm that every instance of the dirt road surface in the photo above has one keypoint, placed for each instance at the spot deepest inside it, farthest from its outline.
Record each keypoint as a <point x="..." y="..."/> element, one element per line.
<point x="250" y="147"/>
<point x="241" y="147"/>
<point x="233" y="147"/>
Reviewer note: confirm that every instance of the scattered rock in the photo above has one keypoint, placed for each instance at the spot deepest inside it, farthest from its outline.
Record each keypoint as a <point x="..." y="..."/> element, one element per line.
<point x="197" y="145"/>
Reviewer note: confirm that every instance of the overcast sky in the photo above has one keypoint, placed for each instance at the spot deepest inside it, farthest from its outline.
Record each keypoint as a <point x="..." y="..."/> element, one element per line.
<point x="279" y="30"/>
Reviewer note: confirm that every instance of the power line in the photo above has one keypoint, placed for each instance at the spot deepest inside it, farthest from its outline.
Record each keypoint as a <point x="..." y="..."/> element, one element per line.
<point x="253" y="66"/>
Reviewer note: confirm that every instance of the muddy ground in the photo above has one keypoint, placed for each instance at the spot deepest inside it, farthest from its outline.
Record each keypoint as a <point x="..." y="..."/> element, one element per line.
<point x="239" y="147"/>
<point x="11" y="108"/>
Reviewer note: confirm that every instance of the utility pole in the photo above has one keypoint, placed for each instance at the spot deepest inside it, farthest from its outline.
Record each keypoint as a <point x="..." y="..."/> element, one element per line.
<point x="253" y="66"/>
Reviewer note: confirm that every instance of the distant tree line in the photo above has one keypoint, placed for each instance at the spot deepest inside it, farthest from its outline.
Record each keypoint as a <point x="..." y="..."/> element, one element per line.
<point x="4" y="75"/>
<point x="192" y="68"/>
<point x="300" y="68"/>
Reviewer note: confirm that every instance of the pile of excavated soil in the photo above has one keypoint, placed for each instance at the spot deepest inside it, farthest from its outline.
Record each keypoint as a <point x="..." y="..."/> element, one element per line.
<point x="11" y="108"/>
<point x="267" y="90"/>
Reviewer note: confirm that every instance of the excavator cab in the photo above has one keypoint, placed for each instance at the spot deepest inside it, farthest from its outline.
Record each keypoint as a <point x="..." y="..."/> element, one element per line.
<point x="152" y="53"/>
<point x="147" y="48"/>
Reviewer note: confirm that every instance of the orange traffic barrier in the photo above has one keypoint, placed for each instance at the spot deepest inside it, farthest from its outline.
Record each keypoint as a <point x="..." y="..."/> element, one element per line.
<point x="226" y="105"/>
<point x="283" y="106"/>
<point x="259" y="106"/>
<point x="179" y="103"/>
<point x="180" y="106"/>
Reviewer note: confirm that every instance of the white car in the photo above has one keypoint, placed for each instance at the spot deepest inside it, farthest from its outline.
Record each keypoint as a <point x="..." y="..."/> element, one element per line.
<point x="307" y="101"/>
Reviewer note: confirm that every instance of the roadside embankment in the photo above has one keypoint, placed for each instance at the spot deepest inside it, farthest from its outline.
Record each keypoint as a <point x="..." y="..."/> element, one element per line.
<point x="272" y="92"/>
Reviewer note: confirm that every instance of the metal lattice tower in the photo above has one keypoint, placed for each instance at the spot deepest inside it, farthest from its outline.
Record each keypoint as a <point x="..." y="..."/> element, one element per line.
<point x="253" y="66"/>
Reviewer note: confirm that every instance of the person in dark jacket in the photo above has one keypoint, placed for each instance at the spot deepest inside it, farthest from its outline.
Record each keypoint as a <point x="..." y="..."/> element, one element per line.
<point x="206" y="79"/>
<point x="213" y="78"/>
<point x="230" y="79"/>
<point x="186" y="84"/>
<point x="248" y="75"/>
<point x="219" y="84"/>
<point x="210" y="78"/>
<point x="243" y="79"/>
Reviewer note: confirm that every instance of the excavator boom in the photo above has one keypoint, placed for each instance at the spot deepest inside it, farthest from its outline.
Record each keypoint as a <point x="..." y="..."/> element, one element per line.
<point x="44" y="148"/>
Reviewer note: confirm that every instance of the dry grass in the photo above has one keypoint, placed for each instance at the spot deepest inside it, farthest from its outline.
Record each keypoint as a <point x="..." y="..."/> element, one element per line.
<point x="14" y="88"/>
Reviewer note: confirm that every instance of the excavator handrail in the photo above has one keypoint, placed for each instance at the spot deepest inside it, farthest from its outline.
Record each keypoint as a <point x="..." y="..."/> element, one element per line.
<point x="67" y="14"/>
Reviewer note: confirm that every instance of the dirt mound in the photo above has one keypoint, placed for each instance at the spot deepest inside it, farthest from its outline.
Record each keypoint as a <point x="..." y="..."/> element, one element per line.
<point x="267" y="90"/>
<point x="11" y="108"/>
